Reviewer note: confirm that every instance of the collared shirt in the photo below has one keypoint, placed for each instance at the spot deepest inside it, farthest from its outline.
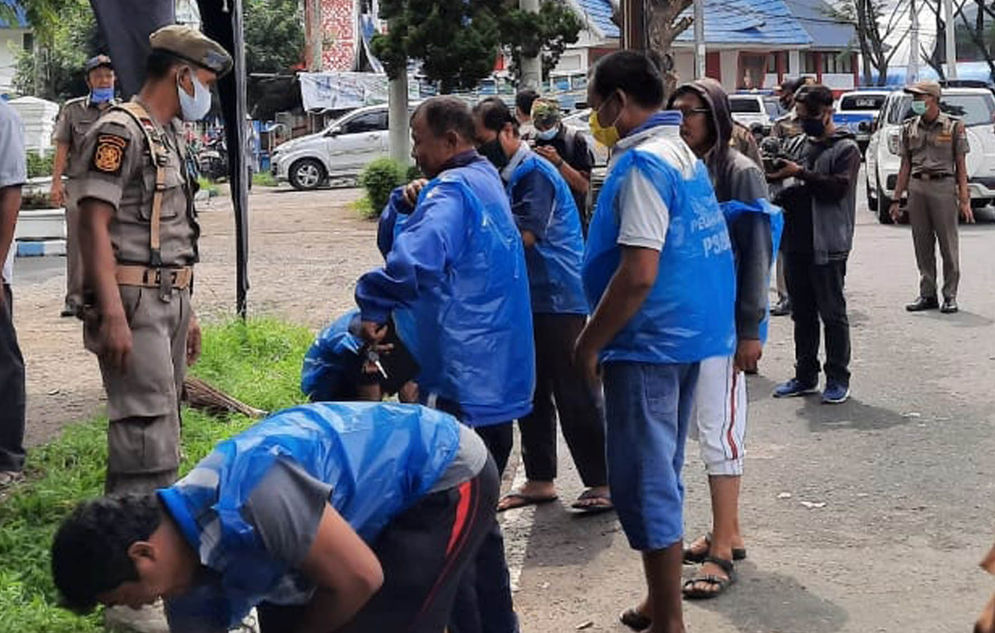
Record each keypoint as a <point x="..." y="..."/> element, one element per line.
<point x="532" y="197"/>
<point x="932" y="147"/>
<point x="13" y="166"/>
<point x="75" y="120"/>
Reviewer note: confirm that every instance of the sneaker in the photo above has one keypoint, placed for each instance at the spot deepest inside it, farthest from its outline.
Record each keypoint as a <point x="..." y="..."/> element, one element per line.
<point x="835" y="393"/>
<point x="781" y="308"/>
<point x="70" y="309"/>
<point x="949" y="306"/>
<point x="794" y="388"/>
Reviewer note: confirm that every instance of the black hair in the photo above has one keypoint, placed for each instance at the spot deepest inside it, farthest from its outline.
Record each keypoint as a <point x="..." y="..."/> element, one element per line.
<point x="495" y="114"/>
<point x="90" y="550"/>
<point x="636" y="74"/>
<point x="159" y="63"/>
<point x="524" y="100"/>
<point x="447" y="114"/>
<point x="814" y="96"/>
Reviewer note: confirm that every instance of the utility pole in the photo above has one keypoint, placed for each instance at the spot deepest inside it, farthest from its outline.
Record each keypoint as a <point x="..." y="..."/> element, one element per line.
<point x="699" y="39"/>
<point x="913" y="69"/>
<point x="531" y="70"/>
<point x="398" y="129"/>
<point x="634" y="24"/>
<point x="315" y="35"/>
<point x="951" y="39"/>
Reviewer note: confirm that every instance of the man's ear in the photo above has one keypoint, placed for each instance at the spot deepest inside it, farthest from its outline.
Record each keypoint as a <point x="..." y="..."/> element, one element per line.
<point x="142" y="551"/>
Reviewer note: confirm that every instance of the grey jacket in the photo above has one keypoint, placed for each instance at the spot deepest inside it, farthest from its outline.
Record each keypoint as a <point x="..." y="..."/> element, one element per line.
<point x="830" y="177"/>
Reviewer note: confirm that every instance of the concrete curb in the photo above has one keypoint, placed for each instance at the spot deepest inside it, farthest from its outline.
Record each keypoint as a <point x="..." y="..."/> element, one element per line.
<point x="41" y="248"/>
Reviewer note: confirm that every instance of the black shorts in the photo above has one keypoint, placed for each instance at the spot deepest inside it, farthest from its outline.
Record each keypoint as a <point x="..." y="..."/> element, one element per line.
<point x="399" y="365"/>
<point x="423" y="553"/>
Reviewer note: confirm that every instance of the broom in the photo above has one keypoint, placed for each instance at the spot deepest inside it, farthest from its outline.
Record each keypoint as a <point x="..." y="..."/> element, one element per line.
<point x="202" y="396"/>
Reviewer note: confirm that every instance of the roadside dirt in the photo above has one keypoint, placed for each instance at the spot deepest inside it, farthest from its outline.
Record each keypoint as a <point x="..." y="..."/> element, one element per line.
<point x="306" y="251"/>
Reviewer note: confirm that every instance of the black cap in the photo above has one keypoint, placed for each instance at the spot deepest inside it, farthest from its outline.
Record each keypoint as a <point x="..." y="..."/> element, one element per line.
<point x="97" y="62"/>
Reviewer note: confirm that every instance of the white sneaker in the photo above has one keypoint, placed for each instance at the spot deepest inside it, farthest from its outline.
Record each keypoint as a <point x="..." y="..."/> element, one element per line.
<point x="148" y="619"/>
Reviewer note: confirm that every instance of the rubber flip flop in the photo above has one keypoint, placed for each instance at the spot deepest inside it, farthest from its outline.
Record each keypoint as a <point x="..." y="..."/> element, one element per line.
<point x="692" y="557"/>
<point x="592" y="508"/>
<point x="524" y="500"/>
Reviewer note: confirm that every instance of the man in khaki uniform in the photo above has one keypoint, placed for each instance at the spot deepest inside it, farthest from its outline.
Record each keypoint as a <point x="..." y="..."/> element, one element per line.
<point x="75" y="120"/>
<point x="933" y="147"/>
<point x="139" y="240"/>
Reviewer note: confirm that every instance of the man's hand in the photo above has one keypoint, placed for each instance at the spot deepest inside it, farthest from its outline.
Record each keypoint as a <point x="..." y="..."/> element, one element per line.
<point x="586" y="359"/>
<point x="787" y="170"/>
<point x="193" y="341"/>
<point x="965" y="211"/>
<point x="549" y="153"/>
<point x="115" y="342"/>
<point x="748" y="353"/>
<point x="372" y="332"/>
<point x="58" y="192"/>
<point x="412" y="190"/>
<point x="895" y="211"/>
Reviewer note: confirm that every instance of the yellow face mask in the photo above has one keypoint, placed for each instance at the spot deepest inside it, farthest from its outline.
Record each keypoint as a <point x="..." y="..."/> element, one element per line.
<point x="607" y="136"/>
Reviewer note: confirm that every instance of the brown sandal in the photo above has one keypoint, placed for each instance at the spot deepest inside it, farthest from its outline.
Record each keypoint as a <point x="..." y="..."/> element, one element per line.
<point x="719" y="583"/>
<point x="692" y="557"/>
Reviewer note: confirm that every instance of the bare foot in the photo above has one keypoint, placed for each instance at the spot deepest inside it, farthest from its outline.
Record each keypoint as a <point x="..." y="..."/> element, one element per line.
<point x="530" y="493"/>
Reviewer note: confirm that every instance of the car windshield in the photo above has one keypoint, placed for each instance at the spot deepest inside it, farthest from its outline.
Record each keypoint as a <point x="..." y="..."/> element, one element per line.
<point x="774" y="109"/>
<point x="862" y="102"/>
<point x="743" y="106"/>
<point x="975" y="109"/>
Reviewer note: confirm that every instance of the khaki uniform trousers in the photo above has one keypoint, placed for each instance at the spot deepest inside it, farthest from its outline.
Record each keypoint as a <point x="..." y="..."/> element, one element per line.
<point x="933" y="212"/>
<point x="74" y="258"/>
<point x="143" y="403"/>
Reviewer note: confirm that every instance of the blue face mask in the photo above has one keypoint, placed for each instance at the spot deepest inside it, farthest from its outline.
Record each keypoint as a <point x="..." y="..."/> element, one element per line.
<point x="101" y="95"/>
<point x="547" y="135"/>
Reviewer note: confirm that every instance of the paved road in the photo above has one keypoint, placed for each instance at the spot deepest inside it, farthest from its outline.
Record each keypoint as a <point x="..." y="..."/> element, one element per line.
<point x="905" y="470"/>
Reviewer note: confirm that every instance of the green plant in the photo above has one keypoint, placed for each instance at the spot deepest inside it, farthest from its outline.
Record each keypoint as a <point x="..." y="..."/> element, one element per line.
<point x="258" y="362"/>
<point x="39" y="165"/>
<point x="365" y="209"/>
<point x="263" y="179"/>
<point x="413" y="173"/>
<point x="381" y="177"/>
<point x="206" y="184"/>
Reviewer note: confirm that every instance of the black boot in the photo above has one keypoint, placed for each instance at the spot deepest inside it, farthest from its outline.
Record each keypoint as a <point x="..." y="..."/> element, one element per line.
<point x="923" y="303"/>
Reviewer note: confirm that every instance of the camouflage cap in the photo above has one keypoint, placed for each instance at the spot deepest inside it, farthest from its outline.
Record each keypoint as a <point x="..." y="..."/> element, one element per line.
<point x="97" y="62"/>
<point x="930" y="88"/>
<point x="545" y="112"/>
<point x="191" y="45"/>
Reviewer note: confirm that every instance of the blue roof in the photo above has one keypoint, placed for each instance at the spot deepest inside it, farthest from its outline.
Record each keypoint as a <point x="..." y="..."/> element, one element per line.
<point x="22" y="21"/>
<point x="751" y="22"/>
<point x="599" y="14"/>
<point x="816" y="18"/>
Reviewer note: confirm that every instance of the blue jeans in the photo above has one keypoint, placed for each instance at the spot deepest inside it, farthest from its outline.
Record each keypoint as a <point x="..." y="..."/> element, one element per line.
<point x="648" y="407"/>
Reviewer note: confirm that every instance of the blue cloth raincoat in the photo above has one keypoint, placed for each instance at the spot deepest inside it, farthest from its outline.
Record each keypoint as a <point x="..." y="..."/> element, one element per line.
<point x="379" y="460"/>
<point x="554" y="262"/>
<point x="456" y="284"/>
<point x="689" y="313"/>
<point x="333" y="355"/>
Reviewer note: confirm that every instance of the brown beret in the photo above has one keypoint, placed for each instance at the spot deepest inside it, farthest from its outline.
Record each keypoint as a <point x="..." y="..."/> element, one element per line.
<point x="191" y="45"/>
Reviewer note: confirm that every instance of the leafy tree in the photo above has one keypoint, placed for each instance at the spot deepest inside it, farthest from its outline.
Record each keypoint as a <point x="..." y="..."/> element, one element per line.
<point x="665" y="22"/>
<point x="547" y="33"/>
<point x="875" y="22"/>
<point x="274" y="35"/>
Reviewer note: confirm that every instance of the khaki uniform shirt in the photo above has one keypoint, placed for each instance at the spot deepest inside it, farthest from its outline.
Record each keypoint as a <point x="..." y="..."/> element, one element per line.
<point x="932" y="148"/>
<point x="117" y="169"/>
<point x="786" y="127"/>
<point x="75" y="120"/>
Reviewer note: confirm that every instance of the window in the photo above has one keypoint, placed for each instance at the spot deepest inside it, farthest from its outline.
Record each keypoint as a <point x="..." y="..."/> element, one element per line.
<point x="972" y="109"/>
<point x="808" y="62"/>
<point x="29" y="42"/>
<point x="772" y="63"/>
<point x="837" y="63"/>
<point x="369" y="122"/>
<point x="745" y="105"/>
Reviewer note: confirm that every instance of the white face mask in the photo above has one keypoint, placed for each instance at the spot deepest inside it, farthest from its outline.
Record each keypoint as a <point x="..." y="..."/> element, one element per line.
<point x="196" y="107"/>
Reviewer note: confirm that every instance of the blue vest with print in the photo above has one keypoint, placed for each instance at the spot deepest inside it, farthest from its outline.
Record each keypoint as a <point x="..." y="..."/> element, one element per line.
<point x="554" y="262"/>
<point x="689" y="313"/>
<point x="332" y="354"/>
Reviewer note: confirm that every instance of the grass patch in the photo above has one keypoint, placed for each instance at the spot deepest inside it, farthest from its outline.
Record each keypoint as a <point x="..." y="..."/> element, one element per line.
<point x="258" y="363"/>
<point x="206" y="184"/>
<point x="264" y="179"/>
<point x="365" y="208"/>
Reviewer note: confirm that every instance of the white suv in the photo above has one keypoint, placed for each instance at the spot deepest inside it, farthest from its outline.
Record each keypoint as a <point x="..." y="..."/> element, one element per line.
<point x="974" y="106"/>
<point x="339" y="151"/>
<point x="750" y="111"/>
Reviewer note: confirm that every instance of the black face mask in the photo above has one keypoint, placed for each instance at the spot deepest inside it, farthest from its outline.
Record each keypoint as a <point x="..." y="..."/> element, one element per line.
<point x="814" y="127"/>
<point x="492" y="151"/>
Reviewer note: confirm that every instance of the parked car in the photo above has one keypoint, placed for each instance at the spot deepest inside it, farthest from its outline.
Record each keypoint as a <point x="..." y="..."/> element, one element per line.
<point x="750" y="110"/>
<point x="857" y="111"/>
<point x="974" y="106"/>
<point x="579" y="120"/>
<point x="339" y="151"/>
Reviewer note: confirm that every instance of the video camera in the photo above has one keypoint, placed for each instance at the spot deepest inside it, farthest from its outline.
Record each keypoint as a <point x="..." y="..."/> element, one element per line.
<point x="775" y="152"/>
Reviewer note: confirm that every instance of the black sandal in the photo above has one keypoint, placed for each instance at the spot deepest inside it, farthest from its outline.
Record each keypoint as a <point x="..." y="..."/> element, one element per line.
<point x="694" y="558"/>
<point x="635" y="620"/>
<point x="719" y="583"/>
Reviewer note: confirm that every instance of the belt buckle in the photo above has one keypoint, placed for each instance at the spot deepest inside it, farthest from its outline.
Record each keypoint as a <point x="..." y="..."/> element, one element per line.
<point x="165" y="282"/>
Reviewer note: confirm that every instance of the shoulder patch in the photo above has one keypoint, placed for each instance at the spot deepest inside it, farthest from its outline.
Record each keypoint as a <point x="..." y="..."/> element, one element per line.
<point x="108" y="155"/>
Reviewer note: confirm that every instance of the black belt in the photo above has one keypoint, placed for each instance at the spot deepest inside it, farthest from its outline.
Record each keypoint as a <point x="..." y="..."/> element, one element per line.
<point x="926" y="176"/>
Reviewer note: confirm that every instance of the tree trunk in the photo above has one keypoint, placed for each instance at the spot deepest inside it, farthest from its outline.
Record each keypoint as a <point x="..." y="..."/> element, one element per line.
<point x="663" y="26"/>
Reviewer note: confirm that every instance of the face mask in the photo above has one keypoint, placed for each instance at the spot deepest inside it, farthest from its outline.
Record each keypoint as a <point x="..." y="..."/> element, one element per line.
<point x="607" y="136"/>
<point x="101" y="95"/>
<point x="492" y="151"/>
<point x="919" y="107"/>
<point x="814" y="127"/>
<point x="196" y="107"/>
<point x="547" y="135"/>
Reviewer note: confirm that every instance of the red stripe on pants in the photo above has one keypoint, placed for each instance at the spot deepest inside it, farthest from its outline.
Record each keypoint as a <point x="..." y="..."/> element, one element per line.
<point x="732" y="413"/>
<point x="462" y="512"/>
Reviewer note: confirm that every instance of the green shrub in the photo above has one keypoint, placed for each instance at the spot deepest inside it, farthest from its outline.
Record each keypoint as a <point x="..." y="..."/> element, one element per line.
<point x="365" y="209"/>
<point x="414" y="173"/>
<point x="263" y="179"/>
<point x="381" y="177"/>
<point x="39" y="165"/>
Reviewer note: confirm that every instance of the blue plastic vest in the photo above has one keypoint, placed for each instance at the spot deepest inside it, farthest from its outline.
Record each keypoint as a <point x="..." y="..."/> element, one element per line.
<point x="733" y="209"/>
<point x="330" y="356"/>
<point x="472" y="336"/>
<point x="689" y="313"/>
<point x="554" y="262"/>
<point x="378" y="458"/>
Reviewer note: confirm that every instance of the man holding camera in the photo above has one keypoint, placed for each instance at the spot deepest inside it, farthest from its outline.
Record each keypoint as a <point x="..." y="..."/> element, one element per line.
<point x="933" y="148"/>
<point x="819" y="199"/>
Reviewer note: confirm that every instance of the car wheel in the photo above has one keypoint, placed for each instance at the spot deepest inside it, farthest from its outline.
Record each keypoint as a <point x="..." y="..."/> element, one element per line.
<point x="306" y="174"/>
<point x="884" y="207"/>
